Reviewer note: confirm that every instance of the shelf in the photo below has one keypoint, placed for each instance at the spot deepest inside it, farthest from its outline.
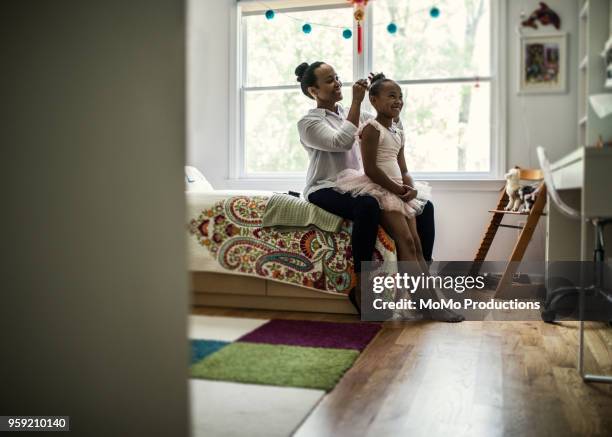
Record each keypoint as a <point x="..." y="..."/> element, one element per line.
<point x="584" y="12"/>
<point x="594" y="28"/>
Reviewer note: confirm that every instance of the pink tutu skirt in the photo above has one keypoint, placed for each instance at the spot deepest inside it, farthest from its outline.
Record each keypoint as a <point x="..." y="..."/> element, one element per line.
<point x="358" y="184"/>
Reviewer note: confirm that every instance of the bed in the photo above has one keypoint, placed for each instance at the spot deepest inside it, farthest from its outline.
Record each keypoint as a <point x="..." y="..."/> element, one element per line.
<point x="236" y="262"/>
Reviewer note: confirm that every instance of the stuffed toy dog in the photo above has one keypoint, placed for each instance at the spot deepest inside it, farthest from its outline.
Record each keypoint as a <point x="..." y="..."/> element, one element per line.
<point x="512" y="188"/>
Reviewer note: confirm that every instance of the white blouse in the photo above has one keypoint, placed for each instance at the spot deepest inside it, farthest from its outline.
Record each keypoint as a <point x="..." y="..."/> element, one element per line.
<point x="329" y="140"/>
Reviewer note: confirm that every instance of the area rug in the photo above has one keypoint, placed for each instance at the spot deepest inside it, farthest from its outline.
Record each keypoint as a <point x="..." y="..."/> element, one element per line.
<point x="288" y="353"/>
<point x="231" y="409"/>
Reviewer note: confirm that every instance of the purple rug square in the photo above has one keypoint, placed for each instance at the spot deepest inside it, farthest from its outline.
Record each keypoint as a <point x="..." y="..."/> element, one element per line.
<point x="314" y="334"/>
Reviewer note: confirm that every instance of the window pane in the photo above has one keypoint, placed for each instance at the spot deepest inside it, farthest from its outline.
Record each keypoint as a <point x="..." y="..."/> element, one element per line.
<point x="275" y="47"/>
<point x="447" y="127"/>
<point x="456" y="44"/>
<point x="272" y="143"/>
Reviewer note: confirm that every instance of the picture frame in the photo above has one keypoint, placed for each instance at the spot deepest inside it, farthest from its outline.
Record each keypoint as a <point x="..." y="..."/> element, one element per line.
<point x="543" y="63"/>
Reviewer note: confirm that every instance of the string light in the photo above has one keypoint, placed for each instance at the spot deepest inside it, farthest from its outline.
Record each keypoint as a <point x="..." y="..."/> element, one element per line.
<point x="392" y="28"/>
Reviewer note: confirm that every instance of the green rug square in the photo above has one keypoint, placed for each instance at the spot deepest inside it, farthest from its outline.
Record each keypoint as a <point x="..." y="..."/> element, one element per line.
<point x="289" y="366"/>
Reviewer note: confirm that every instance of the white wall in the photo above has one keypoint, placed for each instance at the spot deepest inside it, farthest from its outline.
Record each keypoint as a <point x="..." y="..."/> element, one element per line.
<point x="549" y="120"/>
<point x="208" y="88"/>
<point x="94" y="277"/>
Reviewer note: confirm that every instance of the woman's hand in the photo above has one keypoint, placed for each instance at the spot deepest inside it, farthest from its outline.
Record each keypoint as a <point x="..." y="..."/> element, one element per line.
<point x="359" y="89"/>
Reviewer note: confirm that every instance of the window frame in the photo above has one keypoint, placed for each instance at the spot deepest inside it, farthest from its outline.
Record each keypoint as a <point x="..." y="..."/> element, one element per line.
<point x="361" y="67"/>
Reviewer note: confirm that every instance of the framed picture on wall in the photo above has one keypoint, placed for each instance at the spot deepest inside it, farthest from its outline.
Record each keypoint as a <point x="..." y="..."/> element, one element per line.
<point x="543" y="63"/>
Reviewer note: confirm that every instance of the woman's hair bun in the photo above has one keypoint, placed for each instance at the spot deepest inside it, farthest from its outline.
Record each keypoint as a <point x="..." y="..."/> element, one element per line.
<point x="300" y="70"/>
<point x="378" y="76"/>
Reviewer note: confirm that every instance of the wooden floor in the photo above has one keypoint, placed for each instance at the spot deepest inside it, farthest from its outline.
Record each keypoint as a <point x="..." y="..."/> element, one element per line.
<point x="468" y="379"/>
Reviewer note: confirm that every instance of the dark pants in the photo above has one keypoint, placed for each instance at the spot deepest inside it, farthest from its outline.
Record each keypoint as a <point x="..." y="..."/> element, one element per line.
<point x="365" y="215"/>
<point x="426" y="228"/>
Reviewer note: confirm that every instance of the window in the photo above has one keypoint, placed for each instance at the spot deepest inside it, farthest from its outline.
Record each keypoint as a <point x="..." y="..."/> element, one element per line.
<point x="444" y="65"/>
<point x="272" y="101"/>
<point x="446" y="115"/>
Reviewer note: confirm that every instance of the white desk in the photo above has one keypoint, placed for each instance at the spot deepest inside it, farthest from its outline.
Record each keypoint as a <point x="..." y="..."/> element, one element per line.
<point x="584" y="180"/>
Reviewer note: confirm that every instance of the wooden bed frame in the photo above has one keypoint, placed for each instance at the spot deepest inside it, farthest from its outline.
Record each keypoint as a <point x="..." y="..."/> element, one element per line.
<point x="237" y="291"/>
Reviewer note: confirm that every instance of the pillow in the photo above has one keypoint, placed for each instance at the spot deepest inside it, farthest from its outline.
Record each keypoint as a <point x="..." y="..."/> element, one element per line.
<point x="195" y="181"/>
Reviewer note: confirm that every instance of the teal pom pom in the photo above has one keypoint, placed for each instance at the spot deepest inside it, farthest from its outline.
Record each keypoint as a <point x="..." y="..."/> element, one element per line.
<point x="269" y="14"/>
<point x="306" y="28"/>
<point x="346" y="33"/>
<point x="434" y="12"/>
<point x="392" y="28"/>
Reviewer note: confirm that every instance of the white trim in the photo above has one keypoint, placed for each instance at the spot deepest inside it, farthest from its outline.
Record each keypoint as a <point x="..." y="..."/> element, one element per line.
<point x="366" y="59"/>
<point x="499" y="88"/>
<point x="283" y="87"/>
<point x="356" y="64"/>
<point x="297" y="184"/>
<point x="467" y="184"/>
<point x="428" y="176"/>
<point x="464" y="79"/>
<point x="300" y="9"/>
<point x="235" y="107"/>
<point x="259" y="6"/>
<point x="242" y="83"/>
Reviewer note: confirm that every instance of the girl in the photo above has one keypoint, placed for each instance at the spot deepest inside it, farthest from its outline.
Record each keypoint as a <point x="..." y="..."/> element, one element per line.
<point x="386" y="175"/>
<point x="387" y="180"/>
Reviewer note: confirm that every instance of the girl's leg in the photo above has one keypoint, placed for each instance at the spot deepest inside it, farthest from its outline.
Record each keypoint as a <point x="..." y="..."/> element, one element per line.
<point x="412" y="225"/>
<point x="404" y="233"/>
<point x="395" y="224"/>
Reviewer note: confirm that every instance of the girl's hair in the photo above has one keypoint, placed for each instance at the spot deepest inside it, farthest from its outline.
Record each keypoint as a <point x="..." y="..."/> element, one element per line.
<point x="306" y="76"/>
<point x="376" y="83"/>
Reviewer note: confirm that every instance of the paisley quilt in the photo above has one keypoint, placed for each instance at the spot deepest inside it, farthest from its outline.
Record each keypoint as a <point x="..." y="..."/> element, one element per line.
<point x="231" y="231"/>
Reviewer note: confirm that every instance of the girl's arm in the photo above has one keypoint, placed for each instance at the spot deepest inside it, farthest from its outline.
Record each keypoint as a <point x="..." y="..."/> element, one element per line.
<point x="406" y="178"/>
<point x="401" y="161"/>
<point x="369" y="147"/>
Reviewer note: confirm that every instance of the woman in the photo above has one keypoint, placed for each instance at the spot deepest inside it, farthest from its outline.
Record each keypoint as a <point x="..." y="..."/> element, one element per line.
<point x="327" y="132"/>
